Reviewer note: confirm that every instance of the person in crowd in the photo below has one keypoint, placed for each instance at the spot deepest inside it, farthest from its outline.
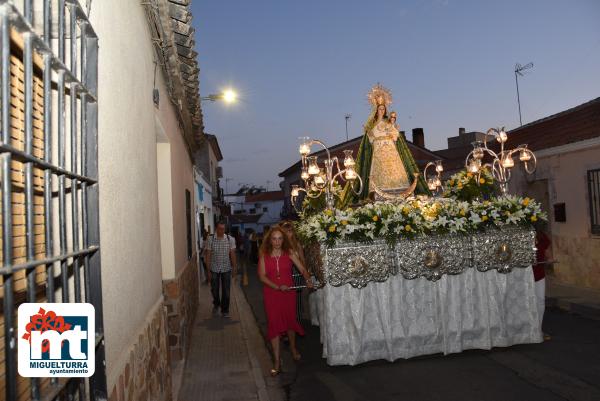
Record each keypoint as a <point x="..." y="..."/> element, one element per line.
<point x="542" y="243"/>
<point x="288" y="229"/>
<point x="221" y="264"/>
<point x="275" y="272"/>
<point x="205" y="236"/>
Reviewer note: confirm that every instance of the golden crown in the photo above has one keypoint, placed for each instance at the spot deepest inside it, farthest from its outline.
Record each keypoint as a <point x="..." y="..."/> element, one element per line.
<point x="380" y="95"/>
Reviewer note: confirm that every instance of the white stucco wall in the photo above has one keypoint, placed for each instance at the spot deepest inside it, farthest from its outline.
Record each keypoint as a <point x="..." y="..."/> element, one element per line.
<point x="182" y="179"/>
<point x="573" y="245"/>
<point x="129" y="223"/>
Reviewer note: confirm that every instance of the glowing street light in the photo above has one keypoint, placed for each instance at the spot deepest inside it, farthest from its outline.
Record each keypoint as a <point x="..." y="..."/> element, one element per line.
<point x="228" y="96"/>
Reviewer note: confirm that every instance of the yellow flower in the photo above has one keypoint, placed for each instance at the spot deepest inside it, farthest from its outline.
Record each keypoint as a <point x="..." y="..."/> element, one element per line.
<point x="482" y="180"/>
<point x="451" y="182"/>
<point x="405" y="210"/>
<point x="507" y="213"/>
<point x="408" y="227"/>
<point x="486" y="203"/>
<point x="462" y="212"/>
<point x="332" y="228"/>
<point x="459" y="186"/>
<point x="344" y="222"/>
<point x="534" y="218"/>
<point x="469" y="175"/>
<point x="526" y="201"/>
<point x="375" y="218"/>
<point x="484" y="218"/>
<point x="329" y="212"/>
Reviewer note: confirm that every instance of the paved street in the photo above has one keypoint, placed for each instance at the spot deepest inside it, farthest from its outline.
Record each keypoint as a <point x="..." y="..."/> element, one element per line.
<point x="565" y="368"/>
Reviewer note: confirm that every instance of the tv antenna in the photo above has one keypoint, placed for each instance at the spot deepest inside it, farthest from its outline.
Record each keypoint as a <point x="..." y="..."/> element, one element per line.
<point x="347" y="117"/>
<point x="519" y="72"/>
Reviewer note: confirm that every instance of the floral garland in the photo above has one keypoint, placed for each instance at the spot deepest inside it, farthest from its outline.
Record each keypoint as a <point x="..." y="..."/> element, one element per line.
<point x="467" y="186"/>
<point x="417" y="217"/>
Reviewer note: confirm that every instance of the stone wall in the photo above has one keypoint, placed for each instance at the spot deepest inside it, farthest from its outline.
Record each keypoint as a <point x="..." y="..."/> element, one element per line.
<point x="147" y="374"/>
<point x="578" y="261"/>
<point x="181" y="301"/>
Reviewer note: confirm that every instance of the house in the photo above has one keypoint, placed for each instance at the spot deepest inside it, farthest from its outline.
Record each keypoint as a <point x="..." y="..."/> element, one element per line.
<point x="256" y="211"/>
<point x="101" y="145"/>
<point x="208" y="172"/>
<point x="291" y="175"/>
<point x="567" y="182"/>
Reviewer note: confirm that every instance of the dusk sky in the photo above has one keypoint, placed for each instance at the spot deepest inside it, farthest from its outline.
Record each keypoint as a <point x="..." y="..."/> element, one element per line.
<point x="301" y="66"/>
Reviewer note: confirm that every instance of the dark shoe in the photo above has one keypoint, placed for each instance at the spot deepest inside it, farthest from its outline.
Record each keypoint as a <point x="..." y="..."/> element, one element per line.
<point x="226" y="315"/>
<point x="215" y="310"/>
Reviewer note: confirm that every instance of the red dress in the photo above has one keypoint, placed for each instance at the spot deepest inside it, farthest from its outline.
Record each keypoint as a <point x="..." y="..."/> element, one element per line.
<point x="280" y="306"/>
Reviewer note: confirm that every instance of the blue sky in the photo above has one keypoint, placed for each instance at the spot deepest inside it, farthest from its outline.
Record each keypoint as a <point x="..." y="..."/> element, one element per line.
<point x="301" y="66"/>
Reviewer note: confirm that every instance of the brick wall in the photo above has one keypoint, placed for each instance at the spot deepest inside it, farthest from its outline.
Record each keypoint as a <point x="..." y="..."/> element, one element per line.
<point x="181" y="301"/>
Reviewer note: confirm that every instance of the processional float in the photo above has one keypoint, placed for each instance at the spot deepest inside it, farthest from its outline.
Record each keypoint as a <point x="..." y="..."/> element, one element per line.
<point x="389" y="232"/>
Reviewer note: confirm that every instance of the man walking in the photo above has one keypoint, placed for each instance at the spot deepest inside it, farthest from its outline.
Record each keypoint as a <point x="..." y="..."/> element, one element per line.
<point x="221" y="261"/>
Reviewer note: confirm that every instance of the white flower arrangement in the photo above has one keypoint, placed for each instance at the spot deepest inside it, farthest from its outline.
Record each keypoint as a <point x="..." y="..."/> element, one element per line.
<point x="417" y="217"/>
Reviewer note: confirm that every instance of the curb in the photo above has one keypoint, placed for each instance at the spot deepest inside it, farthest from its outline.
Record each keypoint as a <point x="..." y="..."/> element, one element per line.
<point x="255" y="347"/>
<point x="573" y="306"/>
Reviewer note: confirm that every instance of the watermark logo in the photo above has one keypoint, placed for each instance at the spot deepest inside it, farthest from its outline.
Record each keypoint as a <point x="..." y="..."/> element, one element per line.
<point x="56" y="340"/>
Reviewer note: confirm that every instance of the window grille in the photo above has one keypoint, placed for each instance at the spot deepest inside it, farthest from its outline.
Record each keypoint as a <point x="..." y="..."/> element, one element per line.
<point x="188" y="225"/>
<point x="594" y="194"/>
<point x="49" y="237"/>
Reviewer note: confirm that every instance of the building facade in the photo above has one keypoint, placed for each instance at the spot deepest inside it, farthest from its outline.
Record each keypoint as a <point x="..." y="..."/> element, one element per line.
<point x="111" y="117"/>
<point x="255" y="211"/>
<point x="567" y="182"/>
<point x="207" y="158"/>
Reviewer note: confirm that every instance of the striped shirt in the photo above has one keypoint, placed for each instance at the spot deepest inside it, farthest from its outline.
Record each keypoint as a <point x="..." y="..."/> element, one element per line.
<point x="219" y="253"/>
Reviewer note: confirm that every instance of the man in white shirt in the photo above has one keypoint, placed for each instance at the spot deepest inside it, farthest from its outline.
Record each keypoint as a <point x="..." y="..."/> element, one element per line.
<point x="221" y="263"/>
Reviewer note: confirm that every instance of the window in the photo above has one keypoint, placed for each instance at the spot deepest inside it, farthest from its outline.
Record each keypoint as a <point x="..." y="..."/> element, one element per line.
<point x="49" y="240"/>
<point x="265" y="209"/>
<point x="252" y="211"/>
<point x="594" y="194"/>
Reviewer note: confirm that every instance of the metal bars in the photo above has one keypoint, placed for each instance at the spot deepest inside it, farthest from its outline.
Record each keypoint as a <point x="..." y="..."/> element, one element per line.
<point x="48" y="184"/>
<point x="594" y="195"/>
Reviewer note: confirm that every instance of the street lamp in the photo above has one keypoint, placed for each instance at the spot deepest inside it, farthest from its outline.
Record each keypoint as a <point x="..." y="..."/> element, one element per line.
<point x="228" y="96"/>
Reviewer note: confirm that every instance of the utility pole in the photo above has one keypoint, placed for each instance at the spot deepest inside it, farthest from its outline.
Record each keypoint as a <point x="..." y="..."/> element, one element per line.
<point x="519" y="71"/>
<point x="347" y="117"/>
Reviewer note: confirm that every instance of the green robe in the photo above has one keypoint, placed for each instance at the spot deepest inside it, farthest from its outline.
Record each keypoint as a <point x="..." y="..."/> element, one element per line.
<point x="363" y="169"/>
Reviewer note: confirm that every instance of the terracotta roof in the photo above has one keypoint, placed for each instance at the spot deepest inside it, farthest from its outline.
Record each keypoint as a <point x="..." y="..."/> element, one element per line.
<point x="573" y="125"/>
<point x="244" y="218"/>
<point x="265" y="196"/>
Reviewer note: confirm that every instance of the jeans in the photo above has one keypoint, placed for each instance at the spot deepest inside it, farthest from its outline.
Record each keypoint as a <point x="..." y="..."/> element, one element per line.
<point x="222" y="282"/>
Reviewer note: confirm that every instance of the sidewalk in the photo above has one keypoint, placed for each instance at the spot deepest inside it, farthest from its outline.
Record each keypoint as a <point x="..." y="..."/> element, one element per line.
<point x="227" y="359"/>
<point x="585" y="302"/>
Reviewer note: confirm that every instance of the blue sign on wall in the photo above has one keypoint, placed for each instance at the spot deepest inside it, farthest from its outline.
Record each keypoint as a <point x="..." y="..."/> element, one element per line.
<point x="200" y="192"/>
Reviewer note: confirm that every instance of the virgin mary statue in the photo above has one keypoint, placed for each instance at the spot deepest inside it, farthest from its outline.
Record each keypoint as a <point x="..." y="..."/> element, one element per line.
<point x="384" y="162"/>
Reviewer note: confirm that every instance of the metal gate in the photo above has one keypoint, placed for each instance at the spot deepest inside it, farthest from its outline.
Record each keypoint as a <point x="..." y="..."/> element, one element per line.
<point x="48" y="179"/>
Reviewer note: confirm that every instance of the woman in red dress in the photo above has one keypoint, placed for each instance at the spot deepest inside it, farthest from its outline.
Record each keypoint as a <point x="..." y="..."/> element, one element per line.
<point x="275" y="272"/>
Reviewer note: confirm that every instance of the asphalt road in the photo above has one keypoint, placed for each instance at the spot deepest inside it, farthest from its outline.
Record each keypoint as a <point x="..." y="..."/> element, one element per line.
<point x="565" y="368"/>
